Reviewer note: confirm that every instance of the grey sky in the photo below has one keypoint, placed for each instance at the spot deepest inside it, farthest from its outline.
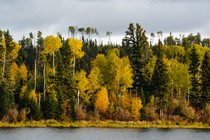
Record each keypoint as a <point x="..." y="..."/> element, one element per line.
<point x="52" y="16"/>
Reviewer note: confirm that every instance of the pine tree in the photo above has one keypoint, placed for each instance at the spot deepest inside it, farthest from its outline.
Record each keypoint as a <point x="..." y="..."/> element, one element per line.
<point x="160" y="81"/>
<point x="137" y="48"/>
<point x="8" y="75"/>
<point x="205" y="98"/>
<point x="195" y="72"/>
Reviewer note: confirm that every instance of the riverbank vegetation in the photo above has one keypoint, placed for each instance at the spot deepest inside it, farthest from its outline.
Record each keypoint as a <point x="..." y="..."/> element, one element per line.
<point x="138" y="83"/>
<point x="106" y="124"/>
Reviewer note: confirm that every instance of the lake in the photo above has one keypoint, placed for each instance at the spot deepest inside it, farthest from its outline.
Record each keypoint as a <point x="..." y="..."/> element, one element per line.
<point x="102" y="134"/>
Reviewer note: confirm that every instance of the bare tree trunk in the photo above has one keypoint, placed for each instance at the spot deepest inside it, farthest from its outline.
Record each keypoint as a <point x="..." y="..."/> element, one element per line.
<point x="78" y="97"/>
<point x="74" y="65"/>
<point x="161" y="114"/>
<point x="44" y="86"/>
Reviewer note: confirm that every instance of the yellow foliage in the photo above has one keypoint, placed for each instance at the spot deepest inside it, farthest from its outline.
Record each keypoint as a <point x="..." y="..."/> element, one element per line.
<point x="95" y="77"/>
<point x="149" y="68"/>
<point x="102" y="100"/>
<point x="112" y="102"/>
<point x="22" y="92"/>
<point x="81" y="80"/>
<point x="3" y="50"/>
<point x="118" y="72"/>
<point x="136" y="105"/>
<point x="126" y="101"/>
<point x="126" y="72"/>
<point x="76" y="47"/>
<point x="101" y="63"/>
<point x="82" y="85"/>
<point x="14" y="52"/>
<point x="23" y="72"/>
<point x="152" y="100"/>
<point x="13" y="72"/>
<point x="33" y="96"/>
<point x="51" y="44"/>
<point x="199" y="49"/>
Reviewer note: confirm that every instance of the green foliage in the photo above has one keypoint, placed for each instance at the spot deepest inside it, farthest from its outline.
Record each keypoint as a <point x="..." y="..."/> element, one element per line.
<point x="194" y="70"/>
<point x="160" y="80"/>
<point x="72" y="79"/>
<point x="50" y="106"/>
<point x="205" y="97"/>
<point x="137" y="48"/>
<point x="180" y="79"/>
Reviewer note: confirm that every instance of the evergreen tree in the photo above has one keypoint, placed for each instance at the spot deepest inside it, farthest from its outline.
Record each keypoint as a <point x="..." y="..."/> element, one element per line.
<point x="50" y="104"/>
<point x="205" y="98"/>
<point x="195" y="73"/>
<point x="6" y="100"/>
<point x="160" y="81"/>
<point x="136" y="46"/>
<point x="9" y="74"/>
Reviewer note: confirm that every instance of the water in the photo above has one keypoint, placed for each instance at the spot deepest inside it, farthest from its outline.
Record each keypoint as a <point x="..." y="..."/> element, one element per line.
<point x="102" y="134"/>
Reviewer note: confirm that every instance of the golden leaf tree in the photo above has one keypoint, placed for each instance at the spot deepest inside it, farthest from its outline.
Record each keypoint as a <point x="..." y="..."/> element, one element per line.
<point x="75" y="46"/>
<point x="136" y="105"/>
<point x="82" y="86"/>
<point x="51" y="45"/>
<point x="23" y="72"/>
<point x="102" y="100"/>
<point x="13" y="72"/>
<point x="33" y="96"/>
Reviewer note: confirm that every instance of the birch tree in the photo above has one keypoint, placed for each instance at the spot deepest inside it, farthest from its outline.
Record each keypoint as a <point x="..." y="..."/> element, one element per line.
<point x="75" y="46"/>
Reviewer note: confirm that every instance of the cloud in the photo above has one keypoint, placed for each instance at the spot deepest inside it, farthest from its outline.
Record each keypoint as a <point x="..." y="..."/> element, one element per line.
<point x="52" y="16"/>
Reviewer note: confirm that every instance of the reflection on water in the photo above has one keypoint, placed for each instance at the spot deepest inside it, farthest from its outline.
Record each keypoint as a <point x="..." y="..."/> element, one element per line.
<point x="102" y="134"/>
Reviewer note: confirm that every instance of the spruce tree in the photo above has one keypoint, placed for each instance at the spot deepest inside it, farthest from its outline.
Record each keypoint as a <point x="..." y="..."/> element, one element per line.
<point x="194" y="96"/>
<point x="205" y="97"/>
<point x="136" y="46"/>
<point x="160" y="81"/>
<point x="7" y="85"/>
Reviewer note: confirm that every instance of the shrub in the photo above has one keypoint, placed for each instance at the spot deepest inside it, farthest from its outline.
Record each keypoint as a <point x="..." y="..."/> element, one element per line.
<point x="12" y="115"/>
<point x="188" y="111"/>
<point x="22" y="115"/>
<point x="80" y="113"/>
<point x="136" y="106"/>
<point x="122" y="115"/>
<point x="93" y="116"/>
<point x="206" y="112"/>
<point x="151" y="114"/>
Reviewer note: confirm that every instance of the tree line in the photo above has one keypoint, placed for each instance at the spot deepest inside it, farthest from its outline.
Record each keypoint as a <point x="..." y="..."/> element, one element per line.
<point x="80" y="79"/>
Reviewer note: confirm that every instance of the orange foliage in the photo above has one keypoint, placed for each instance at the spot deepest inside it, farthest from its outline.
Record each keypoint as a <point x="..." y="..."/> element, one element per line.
<point x="102" y="100"/>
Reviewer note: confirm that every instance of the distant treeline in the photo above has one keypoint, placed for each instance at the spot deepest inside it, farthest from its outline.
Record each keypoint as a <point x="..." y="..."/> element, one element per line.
<point x="82" y="79"/>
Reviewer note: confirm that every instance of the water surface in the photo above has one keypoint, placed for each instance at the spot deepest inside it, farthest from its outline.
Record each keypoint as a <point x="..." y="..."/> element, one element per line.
<point x="102" y="134"/>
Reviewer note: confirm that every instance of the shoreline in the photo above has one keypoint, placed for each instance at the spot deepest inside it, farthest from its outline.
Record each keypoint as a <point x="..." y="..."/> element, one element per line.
<point x="103" y="124"/>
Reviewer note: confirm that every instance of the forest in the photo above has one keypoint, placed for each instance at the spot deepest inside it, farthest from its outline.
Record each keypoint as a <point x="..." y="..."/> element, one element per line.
<point x="69" y="79"/>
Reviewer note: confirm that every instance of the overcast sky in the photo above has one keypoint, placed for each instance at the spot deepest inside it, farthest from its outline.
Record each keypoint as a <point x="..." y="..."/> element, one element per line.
<point x="52" y="16"/>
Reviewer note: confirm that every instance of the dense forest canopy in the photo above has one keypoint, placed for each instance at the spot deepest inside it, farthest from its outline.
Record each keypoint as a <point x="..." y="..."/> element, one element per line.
<point x="82" y="79"/>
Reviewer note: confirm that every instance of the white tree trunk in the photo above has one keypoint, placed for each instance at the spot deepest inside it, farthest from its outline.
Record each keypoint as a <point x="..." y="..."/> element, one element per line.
<point x="78" y="97"/>
<point x="74" y="65"/>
